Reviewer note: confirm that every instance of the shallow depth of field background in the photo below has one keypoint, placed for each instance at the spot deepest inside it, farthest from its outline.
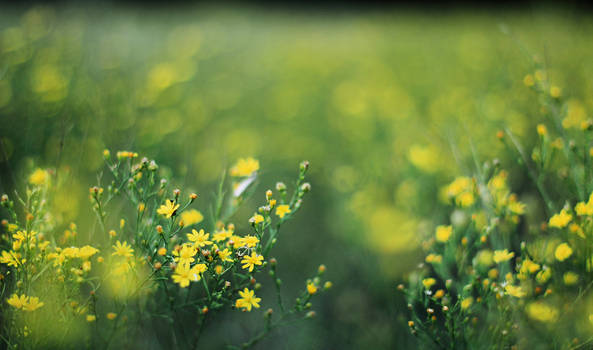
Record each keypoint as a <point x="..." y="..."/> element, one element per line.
<point x="386" y="105"/>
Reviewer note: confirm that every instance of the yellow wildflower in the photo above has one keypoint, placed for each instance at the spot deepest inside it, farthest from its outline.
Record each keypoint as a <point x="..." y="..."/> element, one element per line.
<point x="544" y="275"/>
<point x="247" y="300"/>
<point x="191" y="217"/>
<point x="9" y="258"/>
<point x="184" y="274"/>
<point x="111" y="315"/>
<point x="245" y="167"/>
<point x="122" y="249"/>
<point x="168" y="209"/>
<point x="563" y="252"/>
<point x="542" y="312"/>
<point x="542" y="130"/>
<point x="515" y="291"/>
<point x="282" y="210"/>
<point x="224" y="255"/>
<point x="561" y="219"/>
<point x="251" y="261"/>
<point x="17" y="301"/>
<point x="428" y="282"/>
<point x="570" y="278"/>
<point x="91" y="318"/>
<point x="87" y="251"/>
<point x="466" y="303"/>
<point x="222" y="235"/>
<point x="250" y="241"/>
<point x="199" y="239"/>
<point x="443" y="233"/>
<point x="434" y="259"/>
<point x="185" y="255"/>
<point x="502" y="255"/>
<point x="529" y="266"/>
<point x="256" y="219"/>
<point x="32" y="304"/>
<point x="39" y="177"/>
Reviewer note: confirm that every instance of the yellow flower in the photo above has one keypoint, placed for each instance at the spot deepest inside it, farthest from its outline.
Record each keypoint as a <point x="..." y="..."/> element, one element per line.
<point x="185" y="255"/>
<point x="17" y="301"/>
<point x="168" y="209"/>
<point x="434" y="259"/>
<point x="162" y="251"/>
<point x="39" y="177"/>
<point x="256" y="219"/>
<point x="542" y="312"/>
<point x="199" y="239"/>
<point x="250" y="241"/>
<point x="515" y="291"/>
<point x="428" y="282"/>
<point x="191" y="217"/>
<point x="251" y="261"/>
<point x="247" y="300"/>
<point x="563" y="252"/>
<point x="32" y="304"/>
<point x="311" y="288"/>
<point x="543" y="276"/>
<point x="224" y="255"/>
<point x="542" y="130"/>
<point x="466" y="303"/>
<point x="570" y="278"/>
<point x="122" y="249"/>
<point x="91" y="318"/>
<point x="111" y="315"/>
<point x="184" y="274"/>
<point x="282" y="210"/>
<point x="9" y="258"/>
<point x="222" y="235"/>
<point x="86" y="252"/>
<point x="245" y="167"/>
<point x="529" y="266"/>
<point x="561" y="219"/>
<point x="502" y="255"/>
<point x="443" y="233"/>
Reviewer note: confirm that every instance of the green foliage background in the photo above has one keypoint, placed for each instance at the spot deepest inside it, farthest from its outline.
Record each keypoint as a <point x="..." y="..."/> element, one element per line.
<point x="386" y="105"/>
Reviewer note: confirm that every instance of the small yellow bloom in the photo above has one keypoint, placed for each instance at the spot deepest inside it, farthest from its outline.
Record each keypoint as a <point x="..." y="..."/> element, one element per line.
<point x="250" y="261"/>
<point x="185" y="255"/>
<point x="39" y="177"/>
<point x="542" y="130"/>
<point x="443" y="233"/>
<point x="311" y="288"/>
<point x="555" y="92"/>
<point x="162" y="251"/>
<point x="282" y="210"/>
<point x="502" y="255"/>
<point x="91" y="318"/>
<point x="199" y="239"/>
<point x="32" y="304"/>
<point x="184" y="274"/>
<point x="561" y="219"/>
<point x="191" y="217"/>
<point x="542" y="312"/>
<point x="515" y="291"/>
<point x="563" y="252"/>
<point x="543" y="276"/>
<point x="250" y="241"/>
<point x="428" y="282"/>
<point x="247" y="300"/>
<point x="434" y="259"/>
<point x="466" y="303"/>
<point x="111" y="315"/>
<point x="256" y="219"/>
<point x="122" y="249"/>
<point x="225" y="255"/>
<point x="570" y="278"/>
<point x="168" y="209"/>
<point x="17" y="301"/>
<point x="245" y="167"/>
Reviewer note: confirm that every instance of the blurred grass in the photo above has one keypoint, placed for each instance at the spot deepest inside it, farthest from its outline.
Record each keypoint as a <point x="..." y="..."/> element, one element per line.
<point x="385" y="105"/>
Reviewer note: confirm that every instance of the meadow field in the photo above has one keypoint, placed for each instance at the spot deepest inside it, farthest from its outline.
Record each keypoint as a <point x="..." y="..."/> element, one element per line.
<point x="431" y="171"/>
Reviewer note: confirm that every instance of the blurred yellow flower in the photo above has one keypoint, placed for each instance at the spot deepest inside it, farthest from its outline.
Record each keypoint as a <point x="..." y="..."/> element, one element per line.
<point x="561" y="219"/>
<point x="111" y="315"/>
<point x="570" y="278"/>
<point x="91" y="318"/>
<point x="122" y="249"/>
<point x="32" y="304"/>
<point x="515" y="291"/>
<point x="191" y="217"/>
<point x="39" y="177"/>
<point x="282" y="210"/>
<point x="502" y="255"/>
<point x="563" y="252"/>
<point x="17" y="301"/>
<point x="466" y="303"/>
<point x="542" y="312"/>
<point x="311" y="288"/>
<point x="428" y="282"/>
<point x="185" y="255"/>
<point x="256" y="219"/>
<point x="245" y="167"/>
<point x="443" y="233"/>
<point x="199" y="239"/>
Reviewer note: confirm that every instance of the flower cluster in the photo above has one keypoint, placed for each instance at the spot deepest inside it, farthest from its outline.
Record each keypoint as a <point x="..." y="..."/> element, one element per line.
<point x="149" y="256"/>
